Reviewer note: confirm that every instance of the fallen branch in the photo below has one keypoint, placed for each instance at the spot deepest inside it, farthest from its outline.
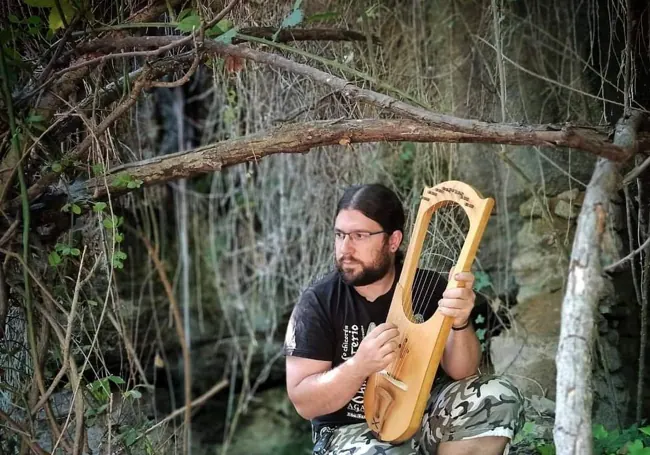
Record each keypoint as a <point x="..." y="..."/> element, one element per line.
<point x="298" y="138"/>
<point x="585" y="283"/>
<point x="588" y="139"/>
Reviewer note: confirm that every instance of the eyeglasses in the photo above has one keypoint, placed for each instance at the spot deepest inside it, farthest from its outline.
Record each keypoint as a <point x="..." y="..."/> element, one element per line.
<point x="356" y="236"/>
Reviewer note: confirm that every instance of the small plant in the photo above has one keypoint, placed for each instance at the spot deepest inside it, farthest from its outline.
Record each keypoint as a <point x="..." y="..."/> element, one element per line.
<point x="127" y="181"/>
<point x="61" y="250"/>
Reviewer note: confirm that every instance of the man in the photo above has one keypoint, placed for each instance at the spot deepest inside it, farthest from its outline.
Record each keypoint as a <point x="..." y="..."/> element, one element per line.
<point x="331" y="350"/>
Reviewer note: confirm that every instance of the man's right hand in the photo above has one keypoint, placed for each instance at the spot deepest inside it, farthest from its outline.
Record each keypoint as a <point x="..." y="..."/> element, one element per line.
<point x="377" y="350"/>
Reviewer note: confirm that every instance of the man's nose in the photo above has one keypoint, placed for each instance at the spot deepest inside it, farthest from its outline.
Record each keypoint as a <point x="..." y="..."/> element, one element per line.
<point x="346" y="244"/>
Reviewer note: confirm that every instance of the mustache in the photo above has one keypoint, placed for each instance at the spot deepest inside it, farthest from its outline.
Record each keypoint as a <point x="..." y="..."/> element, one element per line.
<point x="347" y="258"/>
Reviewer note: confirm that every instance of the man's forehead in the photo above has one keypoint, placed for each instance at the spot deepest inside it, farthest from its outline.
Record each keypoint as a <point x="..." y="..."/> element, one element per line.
<point x="354" y="219"/>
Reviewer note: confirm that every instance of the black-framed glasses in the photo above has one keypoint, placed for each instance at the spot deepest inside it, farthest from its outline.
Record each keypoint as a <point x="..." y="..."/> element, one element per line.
<point x="355" y="236"/>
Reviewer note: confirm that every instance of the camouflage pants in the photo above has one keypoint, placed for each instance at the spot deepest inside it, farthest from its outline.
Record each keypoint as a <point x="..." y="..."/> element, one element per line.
<point x="473" y="407"/>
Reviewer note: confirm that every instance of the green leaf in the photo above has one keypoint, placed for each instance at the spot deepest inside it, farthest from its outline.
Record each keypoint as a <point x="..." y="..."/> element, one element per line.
<point x="99" y="207"/>
<point x="635" y="448"/>
<point x="119" y="237"/>
<point x="227" y="37"/>
<point x="480" y="334"/>
<point x="221" y="27"/>
<point x="479" y="319"/>
<point x="133" y="393"/>
<point x="183" y="14"/>
<point x="326" y="16"/>
<point x="481" y="280"/>
<point x="408" y="151"/>
<point x="41" y="3"/>
<point x="54" y="259"/>
<point x="600" y="432"/>
<point x="116" y="380"/>
<point x="189" y="23"/>
<point x="546" y="449"/>
<point x="130" y="437"/>
<point x="108" y="223"/>
<point x="98" y="168"/>
<point x="292" y="19"/>
<point x="55" y="20"/>
<point x="35" y="118"/>
<point x="76" y="209"/>
<point x="645" y="430"/>
<point x="75" y="251"/>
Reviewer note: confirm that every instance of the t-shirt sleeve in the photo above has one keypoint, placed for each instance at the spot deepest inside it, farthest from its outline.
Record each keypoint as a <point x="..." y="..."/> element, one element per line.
<point x="310" y="332"/>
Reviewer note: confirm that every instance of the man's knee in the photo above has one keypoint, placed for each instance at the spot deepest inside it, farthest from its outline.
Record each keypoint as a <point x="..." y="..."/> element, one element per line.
<point x="478" y="405"/>
<point x="499" y="400"/>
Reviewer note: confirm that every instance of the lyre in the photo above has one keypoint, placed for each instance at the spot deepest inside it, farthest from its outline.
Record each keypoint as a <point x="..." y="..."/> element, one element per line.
<point x="394" y="405"/>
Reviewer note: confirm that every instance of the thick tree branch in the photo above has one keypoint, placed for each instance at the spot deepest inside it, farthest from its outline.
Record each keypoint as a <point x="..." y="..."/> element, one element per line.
<point x="298" y="138"/>
<point x="585" y="283"/>
<point x="584" y="139"/>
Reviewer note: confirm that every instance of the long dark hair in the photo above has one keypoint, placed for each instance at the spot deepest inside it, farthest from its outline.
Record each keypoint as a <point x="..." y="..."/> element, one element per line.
<point x="377" y="202"/>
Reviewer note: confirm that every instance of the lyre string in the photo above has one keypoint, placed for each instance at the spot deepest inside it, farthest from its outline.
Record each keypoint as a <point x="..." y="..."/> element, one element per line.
<point x="445" y="222"/>
<point x="421" y="289"/>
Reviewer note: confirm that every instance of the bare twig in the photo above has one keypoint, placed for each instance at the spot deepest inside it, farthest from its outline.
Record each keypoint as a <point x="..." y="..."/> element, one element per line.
<point x="178" y="323"/>
<point x="612" y="267"/>
<point x="636" y="172"/>
<point x="68" y="335"/>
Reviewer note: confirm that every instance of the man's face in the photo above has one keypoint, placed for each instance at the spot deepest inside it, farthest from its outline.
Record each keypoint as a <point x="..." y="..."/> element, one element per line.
<point x="361" y="258"/>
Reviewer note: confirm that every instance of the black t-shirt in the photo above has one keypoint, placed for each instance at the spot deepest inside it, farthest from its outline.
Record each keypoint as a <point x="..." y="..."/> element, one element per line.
<point x="331" y="319"/>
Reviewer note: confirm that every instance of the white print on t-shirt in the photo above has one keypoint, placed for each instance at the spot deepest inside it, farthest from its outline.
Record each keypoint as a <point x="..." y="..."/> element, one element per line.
<point x="352" y="337"/>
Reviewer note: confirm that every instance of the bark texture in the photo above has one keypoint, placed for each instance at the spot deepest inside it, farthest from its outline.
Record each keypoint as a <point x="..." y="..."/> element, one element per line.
<point x="585" y="283"/>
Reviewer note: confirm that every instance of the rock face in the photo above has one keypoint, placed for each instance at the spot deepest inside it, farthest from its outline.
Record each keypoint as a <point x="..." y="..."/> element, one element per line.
<point x="271" y="426"/>
<point x="527" y="350"/>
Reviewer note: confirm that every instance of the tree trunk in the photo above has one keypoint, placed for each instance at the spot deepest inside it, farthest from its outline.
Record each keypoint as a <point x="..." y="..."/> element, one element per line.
<point x="572" y="432"/>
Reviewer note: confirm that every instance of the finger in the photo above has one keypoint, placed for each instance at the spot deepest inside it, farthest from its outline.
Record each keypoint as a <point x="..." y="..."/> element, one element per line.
<point x="467" y="278"/>
<point x="459" y="293"/>
<point x="387" y="335"/>
<point x="381" y="328"/>
<point x="388" y="348"/>
<point x="454" y="312"/>
<point x="388" y="360"/>
<point x="458" y="304"/>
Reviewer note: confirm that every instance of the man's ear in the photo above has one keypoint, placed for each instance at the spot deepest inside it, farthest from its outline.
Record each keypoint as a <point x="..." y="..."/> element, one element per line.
<point x="395" y="240"/>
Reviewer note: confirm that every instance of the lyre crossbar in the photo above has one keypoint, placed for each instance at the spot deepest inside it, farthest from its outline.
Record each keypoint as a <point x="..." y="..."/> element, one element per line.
<point x="394" y="404"/>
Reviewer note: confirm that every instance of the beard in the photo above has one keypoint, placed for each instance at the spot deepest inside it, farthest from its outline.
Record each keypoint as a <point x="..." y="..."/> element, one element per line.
<point x="368" y="274"/>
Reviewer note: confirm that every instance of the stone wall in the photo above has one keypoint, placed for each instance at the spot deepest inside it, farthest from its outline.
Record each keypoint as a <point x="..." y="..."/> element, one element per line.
<point x="526" y="351"/>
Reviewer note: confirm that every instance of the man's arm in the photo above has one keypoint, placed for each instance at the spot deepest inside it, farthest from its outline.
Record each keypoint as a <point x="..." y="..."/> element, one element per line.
<point x="462" y="354"/>
<point x="315" y="388"/>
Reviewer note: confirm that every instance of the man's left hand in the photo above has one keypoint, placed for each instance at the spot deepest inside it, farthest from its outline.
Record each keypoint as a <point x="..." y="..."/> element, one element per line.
<point x="459" y="302"/>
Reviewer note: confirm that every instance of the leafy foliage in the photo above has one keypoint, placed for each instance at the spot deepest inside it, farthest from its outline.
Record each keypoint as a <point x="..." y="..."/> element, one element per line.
<point x="633" y="440"/>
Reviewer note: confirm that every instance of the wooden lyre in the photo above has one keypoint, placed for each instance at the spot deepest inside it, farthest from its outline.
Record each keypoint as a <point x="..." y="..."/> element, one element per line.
<point x="394" y="402"/>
